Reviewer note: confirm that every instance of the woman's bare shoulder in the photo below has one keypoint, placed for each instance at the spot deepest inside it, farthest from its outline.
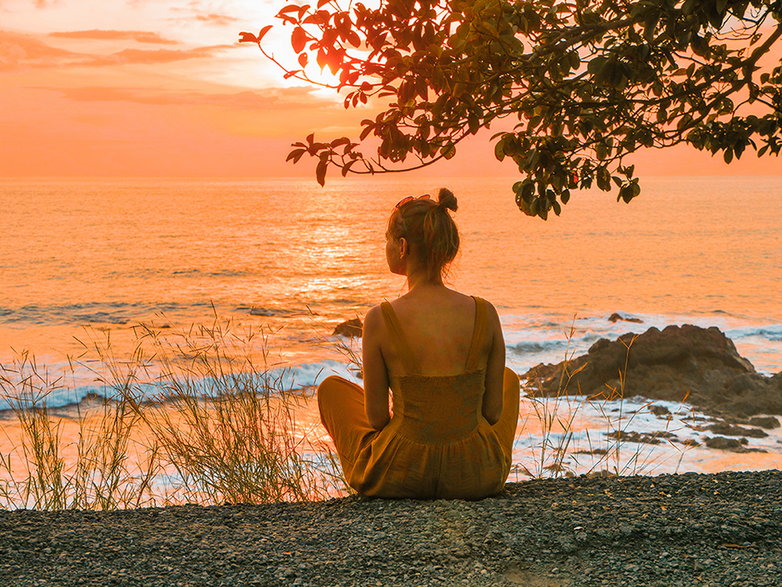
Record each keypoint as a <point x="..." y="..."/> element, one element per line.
<point x="373" y="317"/>
<point x="492" y="316"/>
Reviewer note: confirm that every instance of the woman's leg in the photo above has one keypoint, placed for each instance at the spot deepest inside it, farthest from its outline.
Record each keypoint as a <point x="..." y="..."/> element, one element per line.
<point x="341" y="404"/>
<point x="506" y="425"/>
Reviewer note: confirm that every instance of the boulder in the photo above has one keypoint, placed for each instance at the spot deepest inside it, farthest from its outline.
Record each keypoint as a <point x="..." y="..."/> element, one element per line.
<point x="616" y="317"/>
<point x="767" y="422"/>
<point x="727" y="429"/>
<point x="723" y="443"/>
<point x="679" y="363"/>
<point x="349" y="328"/>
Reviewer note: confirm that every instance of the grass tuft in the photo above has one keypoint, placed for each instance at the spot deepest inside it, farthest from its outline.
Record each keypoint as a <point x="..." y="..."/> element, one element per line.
<point x="204" y="415"/>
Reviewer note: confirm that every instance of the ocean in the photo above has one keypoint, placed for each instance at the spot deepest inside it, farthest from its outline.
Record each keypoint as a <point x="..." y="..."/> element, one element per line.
<point x="94" y="257"/>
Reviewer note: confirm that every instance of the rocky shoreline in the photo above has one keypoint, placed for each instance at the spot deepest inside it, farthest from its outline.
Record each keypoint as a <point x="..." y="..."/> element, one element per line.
<point x="722" y="529"/>
<point x="699" y="366"/>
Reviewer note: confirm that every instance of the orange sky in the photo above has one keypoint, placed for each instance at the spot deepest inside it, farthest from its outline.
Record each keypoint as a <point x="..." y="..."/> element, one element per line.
<point x="161" y="88"/>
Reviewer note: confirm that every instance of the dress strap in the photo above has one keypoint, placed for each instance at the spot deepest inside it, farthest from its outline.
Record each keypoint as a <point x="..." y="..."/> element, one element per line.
<point x="473" y="356"/>
<point x="399" y="340"/>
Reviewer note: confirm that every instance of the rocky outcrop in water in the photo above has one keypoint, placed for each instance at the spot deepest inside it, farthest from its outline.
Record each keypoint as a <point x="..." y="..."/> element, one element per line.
<point x="349" y="328"/>
<point x="616" y="317"/>
<point x="679" y="363"/>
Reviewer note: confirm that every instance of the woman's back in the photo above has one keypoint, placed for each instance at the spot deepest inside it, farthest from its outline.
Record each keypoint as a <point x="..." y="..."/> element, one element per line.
<point x="438" y="408"/>
<point x="438" y="326"/>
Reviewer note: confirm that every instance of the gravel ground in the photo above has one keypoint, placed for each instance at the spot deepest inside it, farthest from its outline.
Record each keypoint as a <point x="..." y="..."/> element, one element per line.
<point x="691" y="529"/>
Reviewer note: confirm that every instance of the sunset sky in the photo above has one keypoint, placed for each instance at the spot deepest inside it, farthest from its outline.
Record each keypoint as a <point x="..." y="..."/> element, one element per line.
<point x="162" y="88"/>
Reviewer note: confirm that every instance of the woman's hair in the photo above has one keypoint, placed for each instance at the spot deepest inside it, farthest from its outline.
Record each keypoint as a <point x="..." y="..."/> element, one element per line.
<point x="429" y="229"/>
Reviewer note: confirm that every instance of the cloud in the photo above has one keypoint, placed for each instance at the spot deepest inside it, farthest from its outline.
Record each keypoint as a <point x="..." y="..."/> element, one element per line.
<point x="157" y="56"/>
<point x="218" y="19"/>
<point x="18" y="51"/>
<point x="112" y="35"/>
<point x="272" y="99"/>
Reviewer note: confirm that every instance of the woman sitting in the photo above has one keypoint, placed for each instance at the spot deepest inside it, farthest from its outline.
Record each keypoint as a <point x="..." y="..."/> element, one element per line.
<point x="455" y="404"/>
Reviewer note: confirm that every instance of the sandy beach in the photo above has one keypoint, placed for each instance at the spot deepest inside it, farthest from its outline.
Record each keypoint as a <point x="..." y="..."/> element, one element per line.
<point x="693" y="529"/>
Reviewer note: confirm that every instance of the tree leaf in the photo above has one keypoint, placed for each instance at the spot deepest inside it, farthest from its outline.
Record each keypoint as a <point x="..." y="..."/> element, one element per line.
<point x="263" y="32"/>
<point x="320" y="171"/>
<point x="499" y="150"/>
<point x="298" y="39"/>
<point x="579" y="85"/>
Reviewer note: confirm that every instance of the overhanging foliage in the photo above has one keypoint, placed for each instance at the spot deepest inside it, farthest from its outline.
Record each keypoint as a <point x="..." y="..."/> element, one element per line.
<point x="571" y="87"/>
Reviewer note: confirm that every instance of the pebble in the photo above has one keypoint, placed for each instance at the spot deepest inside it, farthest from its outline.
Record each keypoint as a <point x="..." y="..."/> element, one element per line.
<point x="667" y="530"/>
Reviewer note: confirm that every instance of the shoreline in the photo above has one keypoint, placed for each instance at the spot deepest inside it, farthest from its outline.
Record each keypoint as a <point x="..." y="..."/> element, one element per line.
<point x="723" y="528"/>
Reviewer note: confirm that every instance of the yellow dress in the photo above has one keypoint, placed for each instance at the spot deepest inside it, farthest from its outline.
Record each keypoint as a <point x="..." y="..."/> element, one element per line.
<point x="437" y="444"/>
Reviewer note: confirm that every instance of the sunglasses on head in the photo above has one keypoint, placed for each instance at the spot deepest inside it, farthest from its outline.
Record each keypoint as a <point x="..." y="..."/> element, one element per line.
<point x="404" y="201"/>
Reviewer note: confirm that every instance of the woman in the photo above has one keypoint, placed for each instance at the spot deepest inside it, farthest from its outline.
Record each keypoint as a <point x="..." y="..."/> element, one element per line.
<point x="455" y="404"/>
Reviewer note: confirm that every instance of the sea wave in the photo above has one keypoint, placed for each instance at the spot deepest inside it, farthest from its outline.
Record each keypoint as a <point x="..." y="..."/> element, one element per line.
<point x="771" y="332"/>
<point x="89" y="312"/>
<point x="274" y="380"/>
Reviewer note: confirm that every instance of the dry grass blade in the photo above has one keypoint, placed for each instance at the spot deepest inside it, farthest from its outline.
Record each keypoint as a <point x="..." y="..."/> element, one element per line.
<point x="36" y="473"/>
<point x="198" y="415"/>
<point x="225" y="420"/>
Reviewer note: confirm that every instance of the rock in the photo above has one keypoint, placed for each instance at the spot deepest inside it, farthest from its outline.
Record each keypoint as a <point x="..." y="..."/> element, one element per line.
<point x="720" y="442"/>
<point x="351" y="328"/>
<point x="616" y="317"/>
<point x="731" y="444"/>
<point x="733" y="430"/>
<point x="767" y="422"/>
<point x="659" y="410"/>
<point x="641" y="437"/>
<point x="679" y="363"/>
<point x="91" y="397"/>
<point x="752" y="393"/>
<point x="594" y="451"/>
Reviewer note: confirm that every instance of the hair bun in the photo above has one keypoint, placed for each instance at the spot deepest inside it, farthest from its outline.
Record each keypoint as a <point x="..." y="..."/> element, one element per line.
<point x="446" y="199"/>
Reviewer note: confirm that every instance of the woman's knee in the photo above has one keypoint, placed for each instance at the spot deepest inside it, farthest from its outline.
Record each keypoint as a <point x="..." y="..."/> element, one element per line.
<point x="511" y="379"/>
<point x="334" y="384"/>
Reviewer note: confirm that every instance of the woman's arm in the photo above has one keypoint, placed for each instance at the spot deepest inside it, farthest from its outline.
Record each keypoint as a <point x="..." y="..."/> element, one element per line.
<point x="375" y="374"/>
<point x="495" y="369"/>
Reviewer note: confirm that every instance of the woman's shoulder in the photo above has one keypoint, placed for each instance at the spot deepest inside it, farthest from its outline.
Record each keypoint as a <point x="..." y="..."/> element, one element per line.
<point x="378" y="316"/>
<point x="491" y="316"/>
<point x="489" y="306"/>
<point x="375" y="314"/>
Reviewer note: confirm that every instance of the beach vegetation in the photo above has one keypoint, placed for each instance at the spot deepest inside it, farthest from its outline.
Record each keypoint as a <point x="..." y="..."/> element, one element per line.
<point x="570" y="88"/>
<point x="193" y="416"/>
<point x="84" y="459"/>
<point x="206" y="415"/>
<point x="565" y="447"/>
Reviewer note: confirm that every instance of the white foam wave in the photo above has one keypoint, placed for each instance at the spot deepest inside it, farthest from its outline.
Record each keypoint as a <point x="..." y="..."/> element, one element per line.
<point x="278" y="379"/>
